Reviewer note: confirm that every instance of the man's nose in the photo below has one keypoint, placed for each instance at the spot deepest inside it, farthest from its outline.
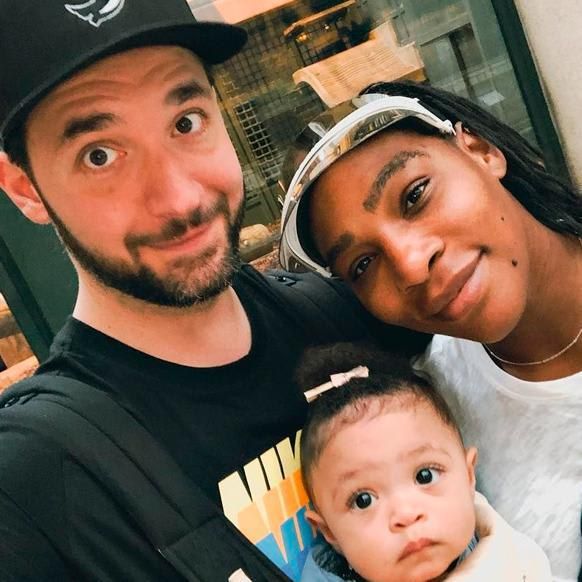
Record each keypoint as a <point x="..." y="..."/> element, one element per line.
<point x="411" y="255"/>
<point x="172" y="186"/>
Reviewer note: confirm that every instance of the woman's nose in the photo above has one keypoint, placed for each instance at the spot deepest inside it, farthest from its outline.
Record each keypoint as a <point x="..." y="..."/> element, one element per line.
<point x="411" y="255"/>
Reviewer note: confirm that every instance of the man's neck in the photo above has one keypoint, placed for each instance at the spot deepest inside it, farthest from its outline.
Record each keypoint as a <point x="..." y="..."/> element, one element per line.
<point x="214" y="334"/>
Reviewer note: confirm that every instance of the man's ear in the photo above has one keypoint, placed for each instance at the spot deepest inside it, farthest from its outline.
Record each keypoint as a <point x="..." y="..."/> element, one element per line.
<point x="486" y="154"/>
<point x="317" y="521"/>
<point x="471" y="459"/>
<point x="20" y="189"/>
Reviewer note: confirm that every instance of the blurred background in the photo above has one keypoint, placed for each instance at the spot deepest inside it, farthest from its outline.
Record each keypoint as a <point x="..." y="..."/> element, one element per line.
<point x="302" y="56"/>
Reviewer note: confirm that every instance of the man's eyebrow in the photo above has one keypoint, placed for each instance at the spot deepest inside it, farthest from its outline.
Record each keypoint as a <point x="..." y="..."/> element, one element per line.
<point x="80" y="125"/>
<point x="186" y="91"/>
<point x="342" y="243"/>
<point x="397" y="163"/>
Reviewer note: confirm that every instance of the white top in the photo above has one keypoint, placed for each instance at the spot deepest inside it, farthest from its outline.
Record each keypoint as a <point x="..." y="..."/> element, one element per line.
<point x="529" y="438"/>
<point x="502" y="554"/>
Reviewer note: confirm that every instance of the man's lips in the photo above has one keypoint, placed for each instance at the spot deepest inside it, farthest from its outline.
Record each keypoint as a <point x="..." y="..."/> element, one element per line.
<point x="415" y="546"/>
<point x="191" y="237"/>
<point x="444" y="305"/>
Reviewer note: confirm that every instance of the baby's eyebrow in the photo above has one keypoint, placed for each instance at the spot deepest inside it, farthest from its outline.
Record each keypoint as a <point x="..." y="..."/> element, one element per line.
<point x="426" y="448"/>
<point x="394" y="165"/>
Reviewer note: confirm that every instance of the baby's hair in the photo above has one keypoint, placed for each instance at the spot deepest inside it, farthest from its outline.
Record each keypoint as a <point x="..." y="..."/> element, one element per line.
<point x="391" y="383"/>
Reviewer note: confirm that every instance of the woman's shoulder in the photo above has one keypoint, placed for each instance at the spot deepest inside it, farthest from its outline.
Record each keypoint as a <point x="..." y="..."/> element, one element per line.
<point x="502" y="552"/>
<point x="447" y="358"/>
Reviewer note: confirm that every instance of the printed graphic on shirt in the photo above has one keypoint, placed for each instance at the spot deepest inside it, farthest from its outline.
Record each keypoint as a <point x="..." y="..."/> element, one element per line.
<point x="267" y="502"/>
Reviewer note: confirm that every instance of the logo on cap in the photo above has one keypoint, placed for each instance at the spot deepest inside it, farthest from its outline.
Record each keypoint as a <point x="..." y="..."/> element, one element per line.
<point x="96" y="12"/>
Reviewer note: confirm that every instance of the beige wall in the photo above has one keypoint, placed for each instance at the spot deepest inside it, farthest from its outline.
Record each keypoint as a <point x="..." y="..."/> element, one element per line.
<point x="232" y="11"/>
<point x="553" y="30"/>
<point x="554" y="33"/>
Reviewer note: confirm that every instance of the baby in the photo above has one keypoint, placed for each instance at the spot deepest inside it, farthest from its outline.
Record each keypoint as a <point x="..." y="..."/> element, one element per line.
<point x="391" y="484"/>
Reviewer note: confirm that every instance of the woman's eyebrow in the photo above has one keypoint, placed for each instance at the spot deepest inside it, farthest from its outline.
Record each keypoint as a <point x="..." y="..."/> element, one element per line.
<point x="343" y="242"/>
<point x="396" y="163"/>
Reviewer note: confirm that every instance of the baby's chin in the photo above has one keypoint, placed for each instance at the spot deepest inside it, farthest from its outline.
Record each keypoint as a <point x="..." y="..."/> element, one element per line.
<point x="435" y="571"/>
<point x="438" y="574"/>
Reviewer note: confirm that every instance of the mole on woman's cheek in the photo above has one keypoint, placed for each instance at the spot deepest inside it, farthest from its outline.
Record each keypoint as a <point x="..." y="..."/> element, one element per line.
<point x="514" y="262"/>
<point x="503" y="219"/>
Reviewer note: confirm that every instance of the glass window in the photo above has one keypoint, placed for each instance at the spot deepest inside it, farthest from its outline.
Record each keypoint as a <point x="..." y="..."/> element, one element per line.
<point x="305" y="55"/>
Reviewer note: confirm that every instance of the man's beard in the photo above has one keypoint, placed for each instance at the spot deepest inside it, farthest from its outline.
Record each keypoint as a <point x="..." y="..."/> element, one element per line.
<point x="194" y="279"/>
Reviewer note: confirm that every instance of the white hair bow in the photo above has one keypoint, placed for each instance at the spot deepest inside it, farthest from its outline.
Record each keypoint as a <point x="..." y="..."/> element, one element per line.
<point x="335" y="381"/>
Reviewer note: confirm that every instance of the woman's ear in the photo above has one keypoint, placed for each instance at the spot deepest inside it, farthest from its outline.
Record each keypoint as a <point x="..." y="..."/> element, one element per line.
<point x="317" y="521"/>
<point x="485" y="154"/>
<point x="22" y="192"/>
<point x="471" y="460"/>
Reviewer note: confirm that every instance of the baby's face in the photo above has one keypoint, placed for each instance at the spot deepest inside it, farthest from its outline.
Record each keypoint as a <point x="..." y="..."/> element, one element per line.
<point x="394" y="494"/>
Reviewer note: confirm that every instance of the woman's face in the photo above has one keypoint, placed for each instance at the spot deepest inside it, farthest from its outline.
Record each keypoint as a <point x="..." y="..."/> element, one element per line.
<point x="424" y="233"/>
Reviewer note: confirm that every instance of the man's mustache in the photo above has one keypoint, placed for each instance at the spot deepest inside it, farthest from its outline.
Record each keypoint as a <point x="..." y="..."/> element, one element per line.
<point x="178" y="226"/>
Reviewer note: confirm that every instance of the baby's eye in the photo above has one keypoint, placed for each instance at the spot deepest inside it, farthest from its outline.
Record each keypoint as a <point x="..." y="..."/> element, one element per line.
<point x="360" y="267"/>
<point x="362" y="500"/>
<point x="100" y="157"/>
<point x="414" y="195"/>
<point x="427" y="476"/>
<point x="190" y="123"/>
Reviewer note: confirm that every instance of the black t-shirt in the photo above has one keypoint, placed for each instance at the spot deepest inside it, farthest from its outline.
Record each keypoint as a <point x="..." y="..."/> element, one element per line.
<point x="56" y="522"/>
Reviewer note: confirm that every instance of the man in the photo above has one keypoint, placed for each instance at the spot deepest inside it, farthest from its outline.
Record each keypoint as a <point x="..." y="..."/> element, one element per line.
<point x="112" y="133"/>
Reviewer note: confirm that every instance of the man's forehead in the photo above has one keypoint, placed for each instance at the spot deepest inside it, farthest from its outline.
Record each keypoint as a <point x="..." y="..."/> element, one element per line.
<point x="112" y="76"/>
<point x="158" y="62"/>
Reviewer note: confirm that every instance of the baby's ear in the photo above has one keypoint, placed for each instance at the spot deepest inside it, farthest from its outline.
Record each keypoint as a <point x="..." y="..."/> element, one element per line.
<point x="471" y="459"/>
<point x="317" y="521"/>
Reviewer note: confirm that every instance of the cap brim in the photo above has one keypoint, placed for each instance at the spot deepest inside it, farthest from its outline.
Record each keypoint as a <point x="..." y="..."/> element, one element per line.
<point x="213" y="42"/>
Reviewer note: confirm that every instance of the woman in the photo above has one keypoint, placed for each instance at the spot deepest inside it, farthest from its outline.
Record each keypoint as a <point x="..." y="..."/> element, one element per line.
<point x="442" y="219"/>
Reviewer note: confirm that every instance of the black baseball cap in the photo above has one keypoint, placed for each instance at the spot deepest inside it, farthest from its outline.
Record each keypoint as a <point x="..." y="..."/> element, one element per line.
<point x="43" y="42"/>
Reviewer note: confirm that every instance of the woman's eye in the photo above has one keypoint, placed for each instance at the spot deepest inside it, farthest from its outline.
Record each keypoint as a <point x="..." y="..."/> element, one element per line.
<point x="100" y="157"/>
<point x="414" y="195"/>
<point x="360" y="267"/>
<point x="362" y="500"/>
<point x="190" y="123"/>
<point x="427" y="476"/>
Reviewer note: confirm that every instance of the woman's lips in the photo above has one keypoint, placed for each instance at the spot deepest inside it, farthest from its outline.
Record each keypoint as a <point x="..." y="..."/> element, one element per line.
<point x="461" y="293"/>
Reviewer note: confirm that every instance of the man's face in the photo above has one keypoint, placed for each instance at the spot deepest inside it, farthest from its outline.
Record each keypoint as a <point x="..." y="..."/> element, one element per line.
<point x="423" y="231"/>
<point x="394" y="493"/>
<point x="138" y="175"/>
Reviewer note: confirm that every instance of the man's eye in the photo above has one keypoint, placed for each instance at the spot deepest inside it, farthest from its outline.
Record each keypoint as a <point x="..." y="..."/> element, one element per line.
<point x="414" y="195"/>
<point x="190" y="123"/>
<point x="360" y="267"/>
<point x="427" y="476"/>
<point x="100" y="157"/>
<point x="362" y="500"/>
